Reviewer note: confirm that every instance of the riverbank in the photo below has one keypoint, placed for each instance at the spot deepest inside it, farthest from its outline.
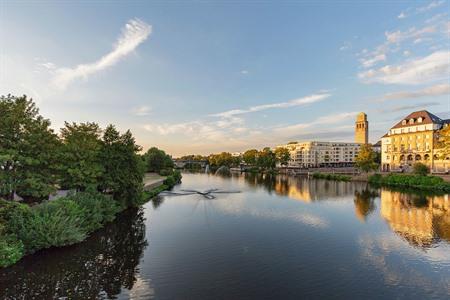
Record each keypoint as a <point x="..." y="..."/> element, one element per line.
<point x="64" y="221"/>
<point x="428" y="182"/>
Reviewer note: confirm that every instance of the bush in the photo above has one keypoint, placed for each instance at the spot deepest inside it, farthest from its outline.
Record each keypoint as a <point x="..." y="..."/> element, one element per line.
<point x="329" y="176"/>
<point x="170" y="181"/>
<point x="97" y="209"/>
<point x="414" y="181"/>
<point x="420" y="169"/>
<point x="56" y="223"/>
<point x="11" y="250"/>
<point x="166" y="172"/>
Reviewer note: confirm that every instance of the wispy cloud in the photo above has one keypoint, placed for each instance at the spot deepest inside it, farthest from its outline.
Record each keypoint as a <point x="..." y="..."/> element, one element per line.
<point x="408" y="107"/>
<point x="141" y="110"/>
<point x="432" y="91"/>
<point x="295" y="102"/>
<point x="431" y="68"/>
<point x="421" y="9"/>
<point x="324" y="120"/>
<point x="133" y="34"/>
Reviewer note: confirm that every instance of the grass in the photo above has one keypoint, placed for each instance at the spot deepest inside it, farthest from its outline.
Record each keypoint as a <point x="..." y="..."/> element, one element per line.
<point x="411" y="181"/>
<point x="329" y="176"/>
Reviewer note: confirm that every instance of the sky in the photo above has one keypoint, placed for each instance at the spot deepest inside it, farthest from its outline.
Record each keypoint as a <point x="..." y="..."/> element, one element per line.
<point x="201" y="77"/>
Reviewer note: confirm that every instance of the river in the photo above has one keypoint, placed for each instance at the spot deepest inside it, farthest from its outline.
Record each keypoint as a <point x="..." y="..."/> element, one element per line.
<point x="279" y="238"/>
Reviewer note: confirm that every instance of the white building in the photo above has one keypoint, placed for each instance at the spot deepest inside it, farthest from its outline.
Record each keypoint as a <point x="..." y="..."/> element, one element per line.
<point x="321" y="154"/>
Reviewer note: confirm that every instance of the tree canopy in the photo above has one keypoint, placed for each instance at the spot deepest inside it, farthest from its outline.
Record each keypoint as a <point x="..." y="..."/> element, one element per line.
<point x="365" y="160"/>
<point x="157" y="160"/>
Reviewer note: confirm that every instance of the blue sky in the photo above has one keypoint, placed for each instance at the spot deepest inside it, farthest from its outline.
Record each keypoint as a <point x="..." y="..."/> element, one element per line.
<point x="202" y="77"/>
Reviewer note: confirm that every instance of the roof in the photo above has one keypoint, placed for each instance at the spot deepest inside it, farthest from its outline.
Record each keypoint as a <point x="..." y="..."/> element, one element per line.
<point x="377" y="144"/>
<point x="427" y="118"/>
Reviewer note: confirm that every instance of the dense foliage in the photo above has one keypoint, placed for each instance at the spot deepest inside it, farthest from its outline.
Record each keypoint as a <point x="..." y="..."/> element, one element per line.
<point x="413" y="181"/>
<point x="444" y="142"/>
<point x="157" y="160"/>
<point x="102" y="168"/>
<point x="282" y="155"/>
<point x="366" y="159"/>
<point x="420" y="169"/>
<point x="28" y="162"/>
<point x="329" y="176"/>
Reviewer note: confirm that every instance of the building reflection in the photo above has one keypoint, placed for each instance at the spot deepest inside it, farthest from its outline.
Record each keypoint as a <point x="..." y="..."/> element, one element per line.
<point x="419" y="219"/>
<point x="306" y="190"/>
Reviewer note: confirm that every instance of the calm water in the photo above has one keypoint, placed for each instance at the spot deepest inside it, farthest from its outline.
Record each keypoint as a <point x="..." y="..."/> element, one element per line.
<point x="281" y="238"/>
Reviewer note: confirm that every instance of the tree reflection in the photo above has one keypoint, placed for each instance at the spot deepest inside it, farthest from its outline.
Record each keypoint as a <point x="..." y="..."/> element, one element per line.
<point x="97" y="268"/>
<point x="364" y="203"/>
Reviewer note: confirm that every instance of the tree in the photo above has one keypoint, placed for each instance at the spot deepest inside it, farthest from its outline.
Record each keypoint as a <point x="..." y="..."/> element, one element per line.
<point x="282" y="155"/>
<point x="157" y="160"/>
<point x="266" y="159"/>
<point x="81" y="162"/>
<point x="27" y="146"/>
<point x="122" y="165"/>
<point x="250" y="157"/>
<point x="443" y="145"/>
<point x="365" y="160"/>
<point x="420" y="169"/>
<point x="222" y="159"/>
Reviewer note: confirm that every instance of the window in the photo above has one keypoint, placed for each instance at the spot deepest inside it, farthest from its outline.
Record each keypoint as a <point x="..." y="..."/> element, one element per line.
<point x="411" y="121"/>
<point x="404" y="122"/>
<point x="420" y="120"/>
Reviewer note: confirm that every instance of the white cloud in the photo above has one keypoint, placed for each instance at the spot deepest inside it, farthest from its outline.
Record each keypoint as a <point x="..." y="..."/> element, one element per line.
<point x="141" y="110"/>
<point x="369" y="62"/>
<point x="431" y="68"/>
<point x="402" y="15"/>
<point x="133" y="34"/>
<point x="324" y="120"/>
<point x="432" y="91"/>
<point x="412" y="33"/>
<point x="296" y="102"/>
<point x="430" y="6"/>
<point x="345" y="46"/>
<point x="244" y="72"/>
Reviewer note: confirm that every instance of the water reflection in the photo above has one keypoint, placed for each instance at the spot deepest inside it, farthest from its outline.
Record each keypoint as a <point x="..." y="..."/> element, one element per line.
<point x="419" y="219"/>
<point x="97" y="268"/>
<point x="365" y="202"/>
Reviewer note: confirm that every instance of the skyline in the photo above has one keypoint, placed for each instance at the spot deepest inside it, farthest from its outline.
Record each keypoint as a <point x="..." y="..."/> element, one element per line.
<point x="202" y="77"/>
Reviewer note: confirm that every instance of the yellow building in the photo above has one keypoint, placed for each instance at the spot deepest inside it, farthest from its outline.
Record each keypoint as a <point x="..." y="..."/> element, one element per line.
<point x="412" y="140"/>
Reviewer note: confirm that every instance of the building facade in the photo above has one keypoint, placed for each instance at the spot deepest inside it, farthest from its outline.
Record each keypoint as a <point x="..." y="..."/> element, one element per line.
<point x="361" y="129"/>
<point x="414" y="139"/>
<point x="313" y="154"/>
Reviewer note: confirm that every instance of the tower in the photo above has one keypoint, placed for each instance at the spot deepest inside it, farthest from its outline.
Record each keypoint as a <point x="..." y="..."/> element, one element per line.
<point x="361" y="129"/>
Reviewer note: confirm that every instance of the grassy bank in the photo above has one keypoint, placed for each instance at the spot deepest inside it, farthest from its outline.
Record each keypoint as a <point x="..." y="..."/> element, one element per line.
<point x="411" y="181"/>
<point x="65" y="221"/>
<point x="329" y="176"/>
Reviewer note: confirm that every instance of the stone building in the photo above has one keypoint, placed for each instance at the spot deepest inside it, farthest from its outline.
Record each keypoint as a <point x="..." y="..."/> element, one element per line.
<point x="411" y="140"/>
<point x="361" y="129"/>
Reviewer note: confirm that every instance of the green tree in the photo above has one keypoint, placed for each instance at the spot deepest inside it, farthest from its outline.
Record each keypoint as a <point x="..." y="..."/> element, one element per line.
<point x="27" y="146"/>
<point x="221" y="159"/>
<point x="122" y="165"/>
<point x="157" y="160"/>
<point x="283" y="156"/>
<point x="266" y="159"/>
<point x="81" y="162"/>
<point x="365" y="160"/>
<point x="250" y="157"/>
<point x="420" y="169"/>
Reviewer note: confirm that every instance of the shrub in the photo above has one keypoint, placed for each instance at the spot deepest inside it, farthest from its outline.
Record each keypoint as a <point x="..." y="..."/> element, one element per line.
<point x="170" y="181"/>
<point x="329" y="176"/>
<point x="56" y="223"/>
<point x="97" y="209"/>
<point x="166" y="172"/>
<point x="414" y="181"/>
<point x="11" y="250"/>
<point x="420" y="169"/>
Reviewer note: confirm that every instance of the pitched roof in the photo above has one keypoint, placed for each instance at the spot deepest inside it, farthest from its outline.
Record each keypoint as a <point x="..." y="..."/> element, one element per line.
<point x="427" y="118"/>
